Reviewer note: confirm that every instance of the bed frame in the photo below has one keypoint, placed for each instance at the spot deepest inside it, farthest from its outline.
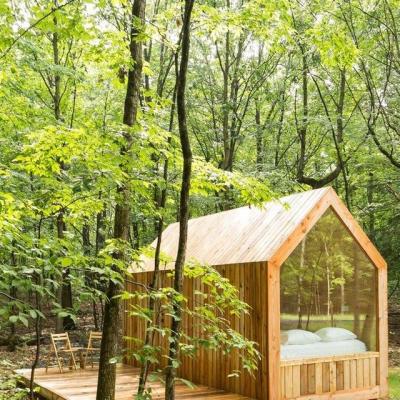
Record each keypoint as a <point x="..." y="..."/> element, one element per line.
<point x="340" y="375"/>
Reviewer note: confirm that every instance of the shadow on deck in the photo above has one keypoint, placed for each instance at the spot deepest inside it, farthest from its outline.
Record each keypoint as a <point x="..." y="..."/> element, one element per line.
<point x="81" y="385"/>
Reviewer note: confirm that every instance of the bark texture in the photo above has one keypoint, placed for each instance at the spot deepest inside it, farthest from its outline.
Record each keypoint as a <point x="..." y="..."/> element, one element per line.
<point x="109" y="344"/>
<point x="184" y="201"/>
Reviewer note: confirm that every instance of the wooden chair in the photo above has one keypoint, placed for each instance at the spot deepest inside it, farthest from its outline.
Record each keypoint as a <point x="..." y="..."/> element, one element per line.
<point x="60" y="346"/>
<point x="93" y="337"/>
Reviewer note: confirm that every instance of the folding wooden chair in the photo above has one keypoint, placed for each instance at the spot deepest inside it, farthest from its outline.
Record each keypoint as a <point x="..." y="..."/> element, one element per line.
<point x="93" y="337"/>
<point x="60" y="346"/>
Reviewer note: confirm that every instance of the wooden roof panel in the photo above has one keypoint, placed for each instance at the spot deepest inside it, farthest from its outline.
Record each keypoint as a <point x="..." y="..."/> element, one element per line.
<point x="242" y="235"/>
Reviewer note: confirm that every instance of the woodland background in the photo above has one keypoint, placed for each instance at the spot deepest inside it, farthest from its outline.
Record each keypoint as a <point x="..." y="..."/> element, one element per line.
<point x="281" y="96"/>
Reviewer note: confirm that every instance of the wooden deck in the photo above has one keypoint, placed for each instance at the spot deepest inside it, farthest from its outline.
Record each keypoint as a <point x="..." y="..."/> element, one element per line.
<point x="81" y="385"/>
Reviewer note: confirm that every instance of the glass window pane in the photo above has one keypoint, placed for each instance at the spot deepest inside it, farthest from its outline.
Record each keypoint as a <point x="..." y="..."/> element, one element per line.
<point x="328" y="281"/>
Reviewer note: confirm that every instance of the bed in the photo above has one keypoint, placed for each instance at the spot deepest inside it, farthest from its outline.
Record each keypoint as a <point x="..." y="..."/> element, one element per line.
<point x="321" y="349"/>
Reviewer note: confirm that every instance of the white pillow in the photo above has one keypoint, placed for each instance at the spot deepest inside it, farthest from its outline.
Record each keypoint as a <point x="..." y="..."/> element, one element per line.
<point x="335" y="334"/>
<point x="299" y="336"/>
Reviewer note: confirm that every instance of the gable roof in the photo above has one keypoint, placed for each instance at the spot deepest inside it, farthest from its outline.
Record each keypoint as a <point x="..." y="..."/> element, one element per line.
<point x="258" y="234"/>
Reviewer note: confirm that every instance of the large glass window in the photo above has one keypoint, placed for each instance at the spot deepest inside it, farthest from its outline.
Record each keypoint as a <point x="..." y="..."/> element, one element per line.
<point x="328" y="281"/>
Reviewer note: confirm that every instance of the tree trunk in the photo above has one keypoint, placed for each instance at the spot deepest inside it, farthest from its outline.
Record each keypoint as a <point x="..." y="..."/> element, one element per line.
<point x="356" y="291"/>
<point x="259" y="139"/>
<point x="89" y="275"/>
<point x="300" y="285"/>
<point x="303" y="128"/>
<point x="65" y="291"/>
<point x="100" y="241"/>
<point x="108" y="351"/>
<point x="342" y="292"/>
<point x="12" y="339"/>
<point x="277" y="157"/>
<point x="38" y="334"/>
<point x="184" y="203"/>
<point x="100" y="234"/>
<point x="225" y="102"/>
<point x="38" y="277"/>
<point x="155" y="284"/>
<point x="371" y="214"/>
<point x="328" y="283"/>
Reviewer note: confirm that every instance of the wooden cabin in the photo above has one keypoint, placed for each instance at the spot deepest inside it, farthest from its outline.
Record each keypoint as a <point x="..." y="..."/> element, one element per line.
<point x="317" y="288"/>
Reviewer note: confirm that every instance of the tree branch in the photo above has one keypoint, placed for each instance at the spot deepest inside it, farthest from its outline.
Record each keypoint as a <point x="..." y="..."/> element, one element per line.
<point x="36" y="23"/>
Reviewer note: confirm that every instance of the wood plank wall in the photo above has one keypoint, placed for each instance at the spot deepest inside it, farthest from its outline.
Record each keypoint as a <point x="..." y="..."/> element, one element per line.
<point x="212" y="368"/>
<point x="303" y="378"/>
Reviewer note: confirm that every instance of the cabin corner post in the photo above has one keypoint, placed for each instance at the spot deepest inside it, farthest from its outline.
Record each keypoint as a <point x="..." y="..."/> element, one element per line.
<point x="274" y="320"/>
<point x="383" y="332"/>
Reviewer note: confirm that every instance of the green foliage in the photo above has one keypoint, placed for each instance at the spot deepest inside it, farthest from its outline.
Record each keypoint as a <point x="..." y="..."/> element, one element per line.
<point x="263" y="75"/>
<point x="394" y="383"/>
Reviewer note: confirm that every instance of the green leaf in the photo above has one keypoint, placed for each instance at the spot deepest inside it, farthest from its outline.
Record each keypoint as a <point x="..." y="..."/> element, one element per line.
<point x="66" y="262"/>
<point x="24" y="320"/>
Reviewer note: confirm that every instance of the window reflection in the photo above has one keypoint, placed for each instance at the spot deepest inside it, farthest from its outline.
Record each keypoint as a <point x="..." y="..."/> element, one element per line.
<point x="328" y="281"/>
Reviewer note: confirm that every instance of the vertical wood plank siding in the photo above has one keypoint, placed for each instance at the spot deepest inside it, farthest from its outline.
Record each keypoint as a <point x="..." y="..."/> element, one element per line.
<point x="211" y="368"/>
<point x="319" y="377"/>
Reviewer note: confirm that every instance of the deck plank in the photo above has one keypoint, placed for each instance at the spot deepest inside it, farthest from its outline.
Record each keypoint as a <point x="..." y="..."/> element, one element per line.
<point x="82" y="384"/>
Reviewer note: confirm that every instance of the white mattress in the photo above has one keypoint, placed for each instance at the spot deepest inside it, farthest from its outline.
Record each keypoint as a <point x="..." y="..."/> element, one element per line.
<point x="321" y="349"/>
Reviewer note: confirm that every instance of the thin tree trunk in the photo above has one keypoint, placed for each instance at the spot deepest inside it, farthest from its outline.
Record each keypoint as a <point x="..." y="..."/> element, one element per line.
<point x="356" y="290"/>
<point x="56" y="60"/>
<point x="366" y="334"/>
<point x="329" y="276"/>
<point x="277" y="156"/>
<point x="302" y="131"/>
<point x="57" y="115"/>
<point x="310" y="301"/>
<point x="89" y="275"/>
<point x="370" y="198"/>
<point x="12" y="340"/>
<point x="184" y="203"/>
<point x="38" y="325"/>
<point x="225" y="102"/>
<point x="300" y="285"/>
<point x="109" y="343"/>
<point x="259" y="139"/>
<point x="65" y="290"/>
<point x="38" y="334"/>
<point x="154" y="285"/>
<point x="303" y="128"/>
<point x="100" y="234"/>
<point x="342" y="292"/>
<point x="100" y="241"/>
